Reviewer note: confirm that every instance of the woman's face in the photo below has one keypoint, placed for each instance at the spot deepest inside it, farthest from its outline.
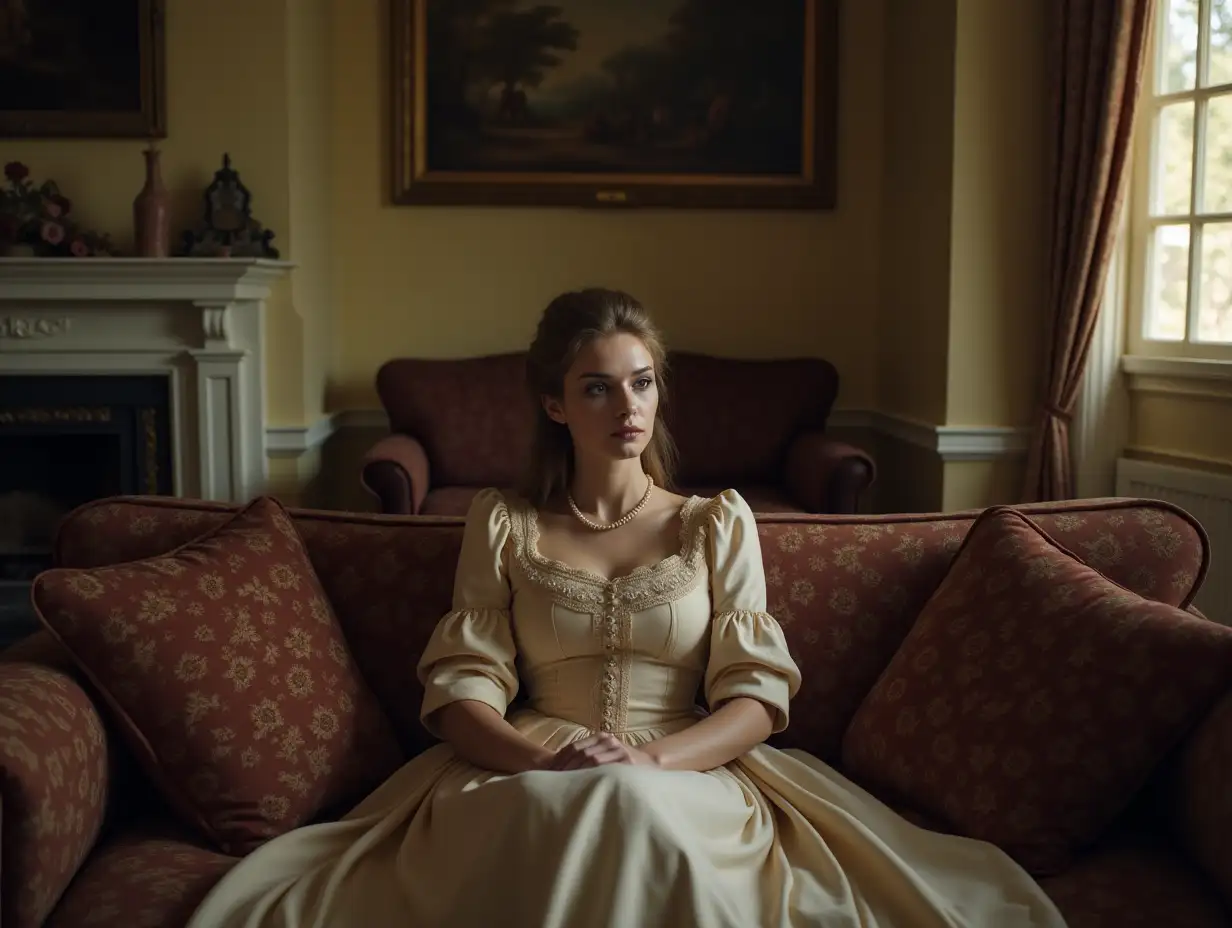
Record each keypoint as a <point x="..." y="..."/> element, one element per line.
<point x="609" y="398"/>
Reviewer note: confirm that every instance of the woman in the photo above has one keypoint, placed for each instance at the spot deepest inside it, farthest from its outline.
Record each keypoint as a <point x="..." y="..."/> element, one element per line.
<point x="612" y="799"/>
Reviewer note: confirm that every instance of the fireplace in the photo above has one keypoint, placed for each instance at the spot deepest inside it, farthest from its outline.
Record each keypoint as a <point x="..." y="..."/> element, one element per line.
<point x="66" y="440"/>
<point x="124" y="375"/>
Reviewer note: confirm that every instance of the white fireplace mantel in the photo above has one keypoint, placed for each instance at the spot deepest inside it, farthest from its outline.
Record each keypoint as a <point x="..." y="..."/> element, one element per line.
<point x="197" y="321"/>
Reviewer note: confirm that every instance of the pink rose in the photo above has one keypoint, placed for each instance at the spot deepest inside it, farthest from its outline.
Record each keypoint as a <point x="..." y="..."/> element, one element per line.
<point x="52" y="208"/>
<point x="79" y="249"/>
<point x="52" y="233"/>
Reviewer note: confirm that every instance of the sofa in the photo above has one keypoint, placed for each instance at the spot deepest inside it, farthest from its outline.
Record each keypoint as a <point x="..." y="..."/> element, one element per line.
<point x="89" y="839"/>
<point x="758" y="426"/>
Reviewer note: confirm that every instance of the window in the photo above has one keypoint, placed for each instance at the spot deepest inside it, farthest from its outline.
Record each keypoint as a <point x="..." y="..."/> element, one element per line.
<point x="1181" y="202"/>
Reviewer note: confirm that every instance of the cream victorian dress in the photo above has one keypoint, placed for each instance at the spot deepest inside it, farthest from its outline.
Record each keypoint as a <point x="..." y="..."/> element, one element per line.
<point x="772" y="840"/>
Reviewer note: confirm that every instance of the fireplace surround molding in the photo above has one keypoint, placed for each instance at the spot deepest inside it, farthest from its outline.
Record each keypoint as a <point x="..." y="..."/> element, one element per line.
<point x="197" y="321"/>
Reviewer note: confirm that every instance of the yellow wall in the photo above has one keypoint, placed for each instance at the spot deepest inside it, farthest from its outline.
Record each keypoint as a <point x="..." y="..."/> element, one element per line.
<point x="998" y="250"/>
<point x="913" y="348"/>
<point x="310" y="180"/>
<point x="452" y="281"/>
<point x="998" y="242"/>
<point x="923" y="285"/>
<point x="964" y="248"/>
<point x="227" y="91"/>
<point x="1184" y="423"/>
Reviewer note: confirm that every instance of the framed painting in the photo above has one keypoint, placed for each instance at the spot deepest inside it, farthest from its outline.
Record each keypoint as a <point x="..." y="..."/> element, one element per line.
<point x="665" y="103"/>
<point x="82" y="68"/>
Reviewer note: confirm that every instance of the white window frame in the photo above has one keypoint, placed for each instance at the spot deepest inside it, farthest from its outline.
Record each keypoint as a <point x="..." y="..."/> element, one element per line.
<point x="1142" y="224"/>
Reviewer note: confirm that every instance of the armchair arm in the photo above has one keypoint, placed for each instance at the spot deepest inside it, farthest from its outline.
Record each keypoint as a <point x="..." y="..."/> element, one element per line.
<point x="53" y="787"/>
<point x="1200" y="800"/>
<point x="823" y="475"/>
<point x="395" y="471"/>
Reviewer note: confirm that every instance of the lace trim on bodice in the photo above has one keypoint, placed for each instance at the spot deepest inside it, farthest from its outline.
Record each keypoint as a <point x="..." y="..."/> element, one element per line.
<point x="587" y="592"/>
<point x="613" y="603"/>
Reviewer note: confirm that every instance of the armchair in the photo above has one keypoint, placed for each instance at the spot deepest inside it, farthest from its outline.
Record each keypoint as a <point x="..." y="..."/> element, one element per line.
<point x="756" y="425"/>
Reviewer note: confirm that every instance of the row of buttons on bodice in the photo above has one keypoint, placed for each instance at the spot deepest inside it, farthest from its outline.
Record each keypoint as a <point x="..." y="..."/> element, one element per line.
<point x="612" y="706"/>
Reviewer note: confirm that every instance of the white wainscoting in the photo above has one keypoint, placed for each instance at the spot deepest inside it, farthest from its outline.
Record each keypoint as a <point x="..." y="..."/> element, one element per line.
<point x="1205" y="495"/>
<point x="950" y="442"/>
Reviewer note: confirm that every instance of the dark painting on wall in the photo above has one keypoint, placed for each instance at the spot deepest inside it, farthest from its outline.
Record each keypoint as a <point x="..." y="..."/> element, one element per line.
<point x="625" y="102"/>
<point x="82" y="68"/>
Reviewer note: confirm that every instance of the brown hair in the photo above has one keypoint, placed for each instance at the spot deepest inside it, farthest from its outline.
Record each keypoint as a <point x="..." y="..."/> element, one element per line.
<point x="570" y="322"/>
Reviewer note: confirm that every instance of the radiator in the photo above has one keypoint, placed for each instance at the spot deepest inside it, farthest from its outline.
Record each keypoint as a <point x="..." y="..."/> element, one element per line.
<point x="1207" y="497"/>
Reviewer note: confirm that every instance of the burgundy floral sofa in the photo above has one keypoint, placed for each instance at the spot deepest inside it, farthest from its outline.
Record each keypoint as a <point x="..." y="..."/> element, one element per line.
<point x="909" y="682"/>
<point x="757" y="425"/>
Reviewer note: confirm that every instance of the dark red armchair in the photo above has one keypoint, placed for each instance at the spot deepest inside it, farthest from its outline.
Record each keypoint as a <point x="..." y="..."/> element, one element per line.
<point x="756" y="425"/>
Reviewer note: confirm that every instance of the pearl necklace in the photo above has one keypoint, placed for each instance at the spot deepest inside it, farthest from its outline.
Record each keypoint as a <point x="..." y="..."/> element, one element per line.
<point x="623" y="520"/>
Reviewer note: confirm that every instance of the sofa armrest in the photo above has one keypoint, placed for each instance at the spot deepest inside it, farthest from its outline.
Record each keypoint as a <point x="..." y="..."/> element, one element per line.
<point x="53" y="787"/>
<point x="1200" y="797"/>
<point x="828" y="476"/>
<point x="395" y="470"/>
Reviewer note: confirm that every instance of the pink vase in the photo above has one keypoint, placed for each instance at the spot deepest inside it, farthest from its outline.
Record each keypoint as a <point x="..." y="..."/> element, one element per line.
<point x="150" y="222"/>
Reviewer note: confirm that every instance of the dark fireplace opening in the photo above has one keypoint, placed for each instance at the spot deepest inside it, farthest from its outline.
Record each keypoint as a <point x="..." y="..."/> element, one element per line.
<point x="64" y="441"/>
<point x="41" y="478"/>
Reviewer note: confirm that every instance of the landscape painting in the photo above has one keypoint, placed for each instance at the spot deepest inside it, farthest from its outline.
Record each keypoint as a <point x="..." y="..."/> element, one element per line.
<point x="77" y="68"/>
<point x="614" y="102"/>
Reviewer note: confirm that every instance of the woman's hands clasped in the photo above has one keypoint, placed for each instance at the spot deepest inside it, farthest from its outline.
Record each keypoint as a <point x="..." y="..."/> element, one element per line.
<point x="596" y="751"/>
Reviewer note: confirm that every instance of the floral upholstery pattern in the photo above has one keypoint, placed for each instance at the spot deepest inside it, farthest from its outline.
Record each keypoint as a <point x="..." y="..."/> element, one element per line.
<point x="53" y="777"/>
<point x="148" y="875"/>
<point x="846" y="589"/>
<point x="1033" y="697"/>
<point x="229" y="676"/>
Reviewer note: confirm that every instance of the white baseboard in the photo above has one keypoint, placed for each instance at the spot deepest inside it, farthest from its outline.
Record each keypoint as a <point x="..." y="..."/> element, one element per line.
<point x="950" y="442"/>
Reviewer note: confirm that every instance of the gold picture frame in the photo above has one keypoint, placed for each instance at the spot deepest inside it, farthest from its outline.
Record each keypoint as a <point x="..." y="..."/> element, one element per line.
<point x="53" y="85"/>
<point x="679" y="104"/>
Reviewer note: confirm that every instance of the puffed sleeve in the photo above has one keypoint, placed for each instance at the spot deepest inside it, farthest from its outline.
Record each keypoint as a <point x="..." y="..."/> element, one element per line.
<point x="748" y="653"/>
<point x="471" y="654"/>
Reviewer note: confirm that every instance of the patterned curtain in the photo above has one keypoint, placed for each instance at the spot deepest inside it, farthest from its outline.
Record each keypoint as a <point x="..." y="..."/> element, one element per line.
<point x="1097" y="53"/>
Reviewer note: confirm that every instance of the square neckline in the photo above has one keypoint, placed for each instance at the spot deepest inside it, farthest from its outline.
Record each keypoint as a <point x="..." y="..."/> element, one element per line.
<point x="530" y="546"/>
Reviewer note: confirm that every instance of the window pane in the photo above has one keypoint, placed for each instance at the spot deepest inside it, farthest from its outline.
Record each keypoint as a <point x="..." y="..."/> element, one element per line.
<point x="1219" y="67"/>
<point x="1165" y="316"/>
<point x="1217" y="180"/>
<point x="1215" y="295"/>
<point x="1178" y="63"/>
<point x="1173" y="160"/>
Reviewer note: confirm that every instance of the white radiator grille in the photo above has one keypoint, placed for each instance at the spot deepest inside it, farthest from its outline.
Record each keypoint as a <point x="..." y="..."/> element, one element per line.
<point x="1208" y="498"/>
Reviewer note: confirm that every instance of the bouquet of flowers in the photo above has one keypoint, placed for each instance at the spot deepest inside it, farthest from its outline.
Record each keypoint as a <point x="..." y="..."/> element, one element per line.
<point x="36" y="219"/>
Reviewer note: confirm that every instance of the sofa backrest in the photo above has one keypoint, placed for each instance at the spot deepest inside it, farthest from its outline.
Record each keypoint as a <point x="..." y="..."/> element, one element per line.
<point x="732" y="419"/>
<point x="845" y="588"/>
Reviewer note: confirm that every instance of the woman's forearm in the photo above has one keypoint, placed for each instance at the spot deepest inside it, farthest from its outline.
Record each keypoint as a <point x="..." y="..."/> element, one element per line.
<point x="480" y="735"/>
<point x="739" y="725"/>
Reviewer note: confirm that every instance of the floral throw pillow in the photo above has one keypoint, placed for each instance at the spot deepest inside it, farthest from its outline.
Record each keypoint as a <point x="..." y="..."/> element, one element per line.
<point x="229" y="675"/>
<point x="1033" y="697"/>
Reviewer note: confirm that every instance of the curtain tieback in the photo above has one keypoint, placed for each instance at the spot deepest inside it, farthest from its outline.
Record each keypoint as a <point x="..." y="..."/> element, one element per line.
<point x="1058" y="413"/>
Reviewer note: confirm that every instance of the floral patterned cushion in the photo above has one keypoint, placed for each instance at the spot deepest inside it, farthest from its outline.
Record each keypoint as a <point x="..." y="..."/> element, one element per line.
<point x="1033" y="697"/>
<point x="53" y="776"/>
<point x="229" y="675"/>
